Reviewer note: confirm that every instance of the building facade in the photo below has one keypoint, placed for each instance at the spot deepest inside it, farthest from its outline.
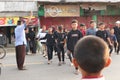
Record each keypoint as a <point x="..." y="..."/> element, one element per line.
<point x="58" y="12"/>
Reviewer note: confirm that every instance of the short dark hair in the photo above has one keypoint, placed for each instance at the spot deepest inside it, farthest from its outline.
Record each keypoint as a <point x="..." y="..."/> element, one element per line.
<point x="92" y="21"/>
<point x="101" y="23"/>
<point x="74" y="21"/>
<point x="60" y="28"/>
<point x="19" y="22"/>
<point x="90" y="52"/>
<point x="81" y="25"/>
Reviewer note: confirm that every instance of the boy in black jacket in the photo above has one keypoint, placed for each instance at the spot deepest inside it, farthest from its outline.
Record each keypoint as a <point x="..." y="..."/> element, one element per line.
<point x="102" y="33"/>
<point x="73" y="36"/>
<point x="50" y="44"/>
<point x="60" y="43"/>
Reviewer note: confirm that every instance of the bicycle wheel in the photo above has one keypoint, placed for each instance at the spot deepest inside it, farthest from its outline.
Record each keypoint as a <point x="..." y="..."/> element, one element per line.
<point x="2" y="52"/>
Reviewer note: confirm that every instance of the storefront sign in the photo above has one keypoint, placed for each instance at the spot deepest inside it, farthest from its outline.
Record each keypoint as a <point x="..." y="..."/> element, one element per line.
<point x="12" y="21"/>
<point x="62" y="10"/>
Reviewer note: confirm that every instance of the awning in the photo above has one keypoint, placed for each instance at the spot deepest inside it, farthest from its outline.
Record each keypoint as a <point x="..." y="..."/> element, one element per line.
<point x="70" y="1"/>
<point x="112" y="1"/>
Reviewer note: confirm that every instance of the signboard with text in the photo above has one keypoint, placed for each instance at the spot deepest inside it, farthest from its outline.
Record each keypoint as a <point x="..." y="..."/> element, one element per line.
<point x="62" y="10"/>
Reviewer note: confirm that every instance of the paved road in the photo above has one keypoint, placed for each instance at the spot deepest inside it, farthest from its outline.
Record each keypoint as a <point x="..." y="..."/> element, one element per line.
<point x="38" y="69"/>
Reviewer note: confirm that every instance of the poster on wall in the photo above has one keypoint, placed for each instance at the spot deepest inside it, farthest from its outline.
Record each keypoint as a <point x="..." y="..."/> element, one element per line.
<point x="62" y="10"/>
<point x="8" y="21"/>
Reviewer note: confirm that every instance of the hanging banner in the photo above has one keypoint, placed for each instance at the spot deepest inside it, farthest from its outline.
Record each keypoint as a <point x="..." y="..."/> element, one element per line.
<point x="62" y="10"/>
<point x="12" y="21"/>
<point x="34" y="21"/>
<point x="2" y="21"/>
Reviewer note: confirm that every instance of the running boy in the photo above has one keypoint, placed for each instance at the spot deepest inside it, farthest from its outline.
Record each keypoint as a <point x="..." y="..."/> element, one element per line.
<point x="91" y="57"/>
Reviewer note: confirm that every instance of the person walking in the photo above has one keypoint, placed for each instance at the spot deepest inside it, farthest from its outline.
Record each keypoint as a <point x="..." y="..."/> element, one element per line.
<point x="113" y="39"/>
<point x="117" y="33"/>
<point x="50" y="44"/>
<point x="42" y="33"/>
<point x="102" y="33"/>
<point x="32" y="41"/>
<point x="73" y="36"/>
<point x="91" y="30"/>
<point x="60" y="43"/>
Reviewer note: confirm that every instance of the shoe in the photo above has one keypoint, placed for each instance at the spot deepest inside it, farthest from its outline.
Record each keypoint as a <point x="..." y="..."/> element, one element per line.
<point x="117" y="53"/>
<point x="71" y="64"/>
<point x="46" y="57"/>
<point x="23" y="68"/>
<point x="63" y="62"/>
<point x="76" y="72"/>
<point x="59" y="64"/>
<point x="49" y="62"/>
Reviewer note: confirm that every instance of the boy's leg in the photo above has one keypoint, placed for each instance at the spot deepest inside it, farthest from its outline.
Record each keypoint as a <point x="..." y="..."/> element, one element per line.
<point x="118" y="48"/>
<point x="115" y="46"/>
<point x="111" y="49"/>
<point x="69" y="55"/>
<point x="48" y="53"/>
<point x="63" y="54"/>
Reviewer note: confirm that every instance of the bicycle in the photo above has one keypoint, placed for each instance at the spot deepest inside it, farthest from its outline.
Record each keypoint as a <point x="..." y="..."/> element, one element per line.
<point x="2" y="55"/>
<point x="2" y="52"/>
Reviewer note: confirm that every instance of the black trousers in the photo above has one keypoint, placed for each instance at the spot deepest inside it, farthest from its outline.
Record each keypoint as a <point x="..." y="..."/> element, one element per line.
<point x="70" y="55"/>
<point x="111" y="49"/>
<point x="50" y="51"/>
<point x="33" y="46"/>
<point x="60" y="48"/>
<point x="118" y="49"/>
<point x="20" y="55"/>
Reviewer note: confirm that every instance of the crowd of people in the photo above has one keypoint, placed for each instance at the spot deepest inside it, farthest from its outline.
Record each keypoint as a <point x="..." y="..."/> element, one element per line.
<point x="61" y="42"/>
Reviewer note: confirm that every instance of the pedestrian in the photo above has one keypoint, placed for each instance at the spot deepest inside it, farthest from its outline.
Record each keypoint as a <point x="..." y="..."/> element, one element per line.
<point x="42" y="33"/>
<point x="32" y="41"/>
<point x="91" y="57"/>
<point x="73" y="36"/>
<point x="117" y="33"/>
<point x="20" y="43"/>
<point x="113" y="39"/>
<point x="27" y="40"/>
<point x="102" y="33"/>
<point x="50" y="44"/>
<point x="60" y="44"/>
<point x="55" y="34"/>
<point x="91" y="30"/>
<point x="82" y="29"/>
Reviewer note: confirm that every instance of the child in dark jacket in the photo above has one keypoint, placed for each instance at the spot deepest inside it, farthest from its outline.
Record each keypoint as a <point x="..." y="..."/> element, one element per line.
<point x="50" y="44"/>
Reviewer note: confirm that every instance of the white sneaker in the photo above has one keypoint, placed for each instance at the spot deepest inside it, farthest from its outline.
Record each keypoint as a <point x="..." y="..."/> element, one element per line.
<point x="59" y="64"/>
<point x="49" y="62"/>
<point x="76" y="72"/>
<point x="71" y="64"/>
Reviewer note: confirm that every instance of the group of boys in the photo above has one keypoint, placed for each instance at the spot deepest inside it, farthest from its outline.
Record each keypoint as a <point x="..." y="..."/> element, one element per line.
<point x="90" y="53"/>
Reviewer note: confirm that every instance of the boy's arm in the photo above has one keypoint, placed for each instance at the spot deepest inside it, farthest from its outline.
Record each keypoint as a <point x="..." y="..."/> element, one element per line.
<point x="109" y="41"/>
<point x="43" y="37"/>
